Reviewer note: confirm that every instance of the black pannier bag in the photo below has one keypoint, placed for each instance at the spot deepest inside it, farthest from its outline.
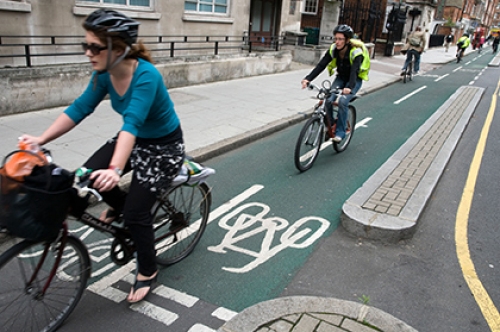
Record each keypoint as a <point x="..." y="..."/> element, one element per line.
<point x="36" y="208"/>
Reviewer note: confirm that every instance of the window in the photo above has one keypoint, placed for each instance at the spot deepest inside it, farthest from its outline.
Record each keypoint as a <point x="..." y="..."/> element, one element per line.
<point x="15" y="5"/>
<point x="310" y="7"/>
<point x="139" y="3"/>
<point x="207" y="6"/>
<point x="143" y="9"/>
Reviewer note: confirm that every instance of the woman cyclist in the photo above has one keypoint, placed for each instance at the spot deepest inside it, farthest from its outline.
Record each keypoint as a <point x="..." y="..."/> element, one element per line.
<point x="149" y="143"/>
<point x="352" y="61"/>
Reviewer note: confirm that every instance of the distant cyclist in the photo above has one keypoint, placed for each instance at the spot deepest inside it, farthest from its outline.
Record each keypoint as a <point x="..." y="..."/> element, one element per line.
<point x="352" y="61"/>
<point x="415" y="46"/>
<point x="462" y="43"/>
<point x="496" y="41"/>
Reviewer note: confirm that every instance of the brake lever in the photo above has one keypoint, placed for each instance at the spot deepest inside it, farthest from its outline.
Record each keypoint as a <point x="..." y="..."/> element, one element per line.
<point x="86" y="190"/>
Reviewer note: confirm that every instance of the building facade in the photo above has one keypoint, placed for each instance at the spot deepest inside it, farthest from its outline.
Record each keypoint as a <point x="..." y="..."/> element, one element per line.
<point x="261" y="19"/>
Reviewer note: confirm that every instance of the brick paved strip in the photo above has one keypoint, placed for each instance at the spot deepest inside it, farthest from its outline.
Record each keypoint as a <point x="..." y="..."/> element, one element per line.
<point x="389" y="203"/>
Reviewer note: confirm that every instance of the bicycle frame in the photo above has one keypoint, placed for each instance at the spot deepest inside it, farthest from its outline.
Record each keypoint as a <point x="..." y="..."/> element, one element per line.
<point x="319" y="109"/>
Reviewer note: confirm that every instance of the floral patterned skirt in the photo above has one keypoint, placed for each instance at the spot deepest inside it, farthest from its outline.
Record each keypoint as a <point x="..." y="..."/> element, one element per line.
<point x="156" y="165"/>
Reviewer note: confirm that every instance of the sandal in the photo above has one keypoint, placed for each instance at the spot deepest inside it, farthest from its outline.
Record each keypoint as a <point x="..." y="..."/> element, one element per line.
<point x="138" y="284"/>
<point x="109" y="215"/>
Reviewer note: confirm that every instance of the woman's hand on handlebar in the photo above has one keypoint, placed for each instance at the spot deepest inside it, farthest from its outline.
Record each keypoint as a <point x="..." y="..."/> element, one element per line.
<point x="304" y="83"/>
<point x="346" y="91"/>
<point x="104" y="179"/>
<point x="32" y="140"/>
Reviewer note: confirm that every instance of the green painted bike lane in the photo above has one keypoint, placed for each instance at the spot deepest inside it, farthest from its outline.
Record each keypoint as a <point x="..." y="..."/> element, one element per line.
<point x="252" y="250"/>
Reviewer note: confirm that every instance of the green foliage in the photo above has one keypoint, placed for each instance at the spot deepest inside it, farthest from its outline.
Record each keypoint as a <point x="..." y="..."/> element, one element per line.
<point x="449" y="22"/>
<point x="364" y="299"/>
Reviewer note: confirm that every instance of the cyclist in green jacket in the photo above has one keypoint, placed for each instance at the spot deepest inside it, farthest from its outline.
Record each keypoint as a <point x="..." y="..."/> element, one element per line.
<point x="462" y="44"/>
<point x="352" y="61"/>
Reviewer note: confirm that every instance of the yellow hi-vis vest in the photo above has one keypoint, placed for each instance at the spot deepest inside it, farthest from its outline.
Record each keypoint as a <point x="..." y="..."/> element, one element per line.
<point x="358" y="49"/>
<point x="465" y="41"/>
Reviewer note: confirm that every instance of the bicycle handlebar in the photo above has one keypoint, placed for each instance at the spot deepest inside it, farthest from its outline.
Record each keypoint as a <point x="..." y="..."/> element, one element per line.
<point x="323" y="92"/>
<point x="84" y="183"/>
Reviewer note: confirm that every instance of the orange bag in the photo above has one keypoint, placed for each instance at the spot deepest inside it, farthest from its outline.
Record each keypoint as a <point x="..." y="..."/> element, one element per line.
<point x="22" y="162"/>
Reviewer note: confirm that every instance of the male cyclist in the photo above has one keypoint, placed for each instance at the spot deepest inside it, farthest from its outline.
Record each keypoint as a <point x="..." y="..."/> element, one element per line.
<point x="352" y="61"/>
<point x="462" y="43"/>
<point x="416" y="44"/>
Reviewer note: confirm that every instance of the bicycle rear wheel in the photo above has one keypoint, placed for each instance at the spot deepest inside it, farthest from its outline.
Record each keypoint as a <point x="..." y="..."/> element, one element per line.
<point x="27" y="302"/>
<point x="408" y="72"/>
<point x="351" y="124"/>
<point x="180" y="218"/>
<point x="308" y="144"/>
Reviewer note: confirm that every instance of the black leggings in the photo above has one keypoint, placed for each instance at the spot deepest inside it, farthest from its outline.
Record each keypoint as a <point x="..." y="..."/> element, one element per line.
<point x="136" y="207"/>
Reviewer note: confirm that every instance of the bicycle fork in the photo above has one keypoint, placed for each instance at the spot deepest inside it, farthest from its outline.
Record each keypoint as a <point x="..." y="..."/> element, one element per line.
<point x="62" y="243"/>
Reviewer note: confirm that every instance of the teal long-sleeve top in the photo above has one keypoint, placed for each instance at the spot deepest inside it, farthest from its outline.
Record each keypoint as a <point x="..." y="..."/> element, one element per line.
<point x="146" y="107"/>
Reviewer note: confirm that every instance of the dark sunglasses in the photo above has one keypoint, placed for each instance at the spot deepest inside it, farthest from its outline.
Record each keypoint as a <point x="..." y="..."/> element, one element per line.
<point x="93" y="48"/>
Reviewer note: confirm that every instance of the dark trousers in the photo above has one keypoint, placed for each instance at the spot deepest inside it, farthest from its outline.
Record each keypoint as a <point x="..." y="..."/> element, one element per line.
<point x="136" y="207"/>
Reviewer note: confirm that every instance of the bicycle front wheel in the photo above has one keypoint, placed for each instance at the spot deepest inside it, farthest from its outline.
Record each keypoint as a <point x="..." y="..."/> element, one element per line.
<point x="28" y="302"/>
<point x="308" y="144"/>
<point x="350" y="126"/>
<point x="180" y="218"/>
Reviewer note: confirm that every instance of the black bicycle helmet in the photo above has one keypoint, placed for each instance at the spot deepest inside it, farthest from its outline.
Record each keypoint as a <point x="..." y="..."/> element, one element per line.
<point x="114" y="23"/>
<point x="345" y="30"/>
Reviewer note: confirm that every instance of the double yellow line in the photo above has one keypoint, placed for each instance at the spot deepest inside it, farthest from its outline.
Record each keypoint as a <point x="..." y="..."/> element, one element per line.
<point x="490" y="312"/>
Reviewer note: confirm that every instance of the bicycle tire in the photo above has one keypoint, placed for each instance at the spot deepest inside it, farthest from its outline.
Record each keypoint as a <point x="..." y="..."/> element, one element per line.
<point x="23" y="304"/>
<point x="179" y="219"/>
<point x="308" y="144"/>
<point x="351" y="126"/>
<point x="410" y="70"/>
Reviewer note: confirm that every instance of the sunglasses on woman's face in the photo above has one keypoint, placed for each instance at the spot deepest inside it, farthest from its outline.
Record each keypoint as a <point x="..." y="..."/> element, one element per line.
<point x="93" y="48"/>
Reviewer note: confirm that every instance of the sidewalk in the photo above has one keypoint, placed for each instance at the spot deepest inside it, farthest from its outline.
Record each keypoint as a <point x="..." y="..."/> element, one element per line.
<point x="215" y="117"/>
<point x="219" y="117"/>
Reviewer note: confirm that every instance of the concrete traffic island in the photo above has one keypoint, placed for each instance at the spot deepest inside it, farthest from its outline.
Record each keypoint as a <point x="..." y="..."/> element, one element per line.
<point x="388" y="205"/>
<point x="313" y="314"/>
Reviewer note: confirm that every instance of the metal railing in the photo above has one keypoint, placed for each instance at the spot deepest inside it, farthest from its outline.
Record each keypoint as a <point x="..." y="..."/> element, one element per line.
<point x="31" y="47"/>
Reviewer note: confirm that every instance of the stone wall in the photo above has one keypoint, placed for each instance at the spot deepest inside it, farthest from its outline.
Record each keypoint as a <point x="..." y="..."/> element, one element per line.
<point x="311" y="55"/>
<point x="29" y="89"/>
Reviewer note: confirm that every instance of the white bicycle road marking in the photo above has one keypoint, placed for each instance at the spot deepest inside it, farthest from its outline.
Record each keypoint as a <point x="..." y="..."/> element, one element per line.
<point x="362" y="123"/>
<point x="441" y="77"/>
<point x="410" y="94"/>
<point x="245" y="225"/>
<point x="327" y="143"/>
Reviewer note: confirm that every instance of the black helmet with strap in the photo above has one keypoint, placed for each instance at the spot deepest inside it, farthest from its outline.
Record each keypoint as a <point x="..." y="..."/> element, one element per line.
<point x="345" y="30"/>
<point x="114" y="24"/>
